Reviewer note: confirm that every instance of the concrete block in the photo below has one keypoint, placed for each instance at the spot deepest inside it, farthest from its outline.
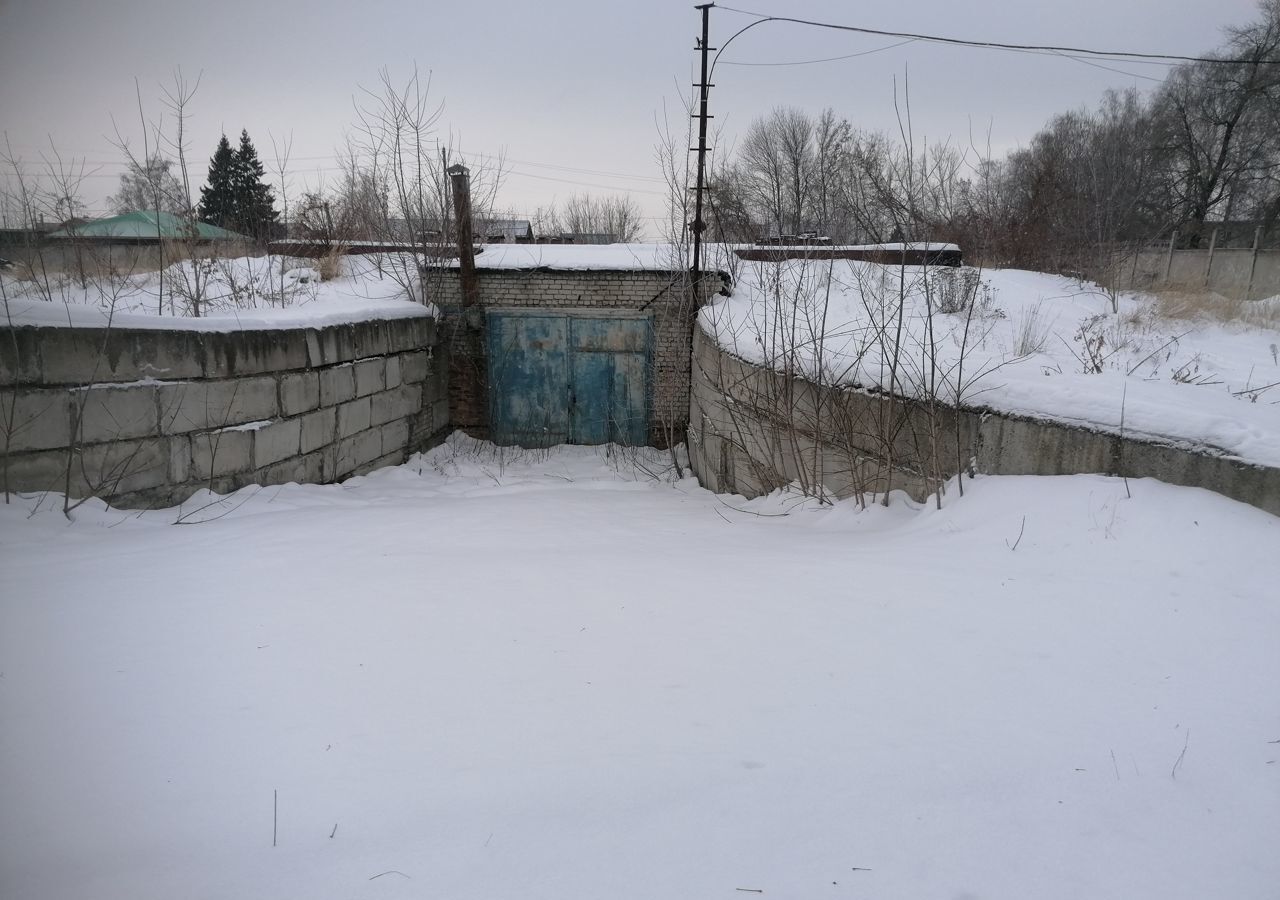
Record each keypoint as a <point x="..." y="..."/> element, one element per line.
<point x="80" y="356"/>
<point x="370" y="338"/>
<point x="218" y="453"/>
<point x="390" y="459"/>
<point x="414" y="366"/>
<point x="115" y="413"/>
<point x="237" y="353"/>
<point x="357" y="450"/>
<point x="36" y="472"/>
<point x="34" y="419"/>
<point x="393" y="372"/>
<point x="329" y="464"/>
<point x="403" y="401"/>
<point x="317" y="429"/>
<point x="370" y="376"/>
<point x="20" y="356"/>
<point x="207" y="405"/>
<point x="354" y="416"/>
<point x="179" y="459"/>
<point x="315" y="356"/>
<point x="338" y="345"/>
<point x="440" y="413"/>
<point x="299" y="392"/>
<point x="337" y="385"/>
<point x="410" y="334"/>
<point x="105" y="470"/>
<point x="300" y="469"/>
<point x="276" y="441"/>
<point x="395" y="437"/>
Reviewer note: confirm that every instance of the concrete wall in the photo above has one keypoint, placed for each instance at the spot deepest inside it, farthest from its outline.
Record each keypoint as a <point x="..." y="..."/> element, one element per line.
<point x="1187" y="269"/>
<point x="752" y="430"/>
<point x="672" y="313"/>
<point x="143" y="417"/>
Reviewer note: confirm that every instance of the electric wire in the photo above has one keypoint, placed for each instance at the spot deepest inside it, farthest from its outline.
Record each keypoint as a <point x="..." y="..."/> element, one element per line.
<point x="994" y="45"/>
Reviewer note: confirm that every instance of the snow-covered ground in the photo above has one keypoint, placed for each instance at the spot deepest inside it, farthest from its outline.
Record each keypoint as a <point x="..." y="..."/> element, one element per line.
<point x="1036" y="344"/>
<point x="245" y="292"/>
<point x="552" y="675"/>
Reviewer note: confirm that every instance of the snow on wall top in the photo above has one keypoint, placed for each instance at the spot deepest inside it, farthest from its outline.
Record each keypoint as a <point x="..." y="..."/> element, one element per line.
<point x="1037" y="345"/>
<point x="240" y="294"/>
<point x="661" y="257"/>
<point x="317" y="314"/>
<point x="581" y="257"/>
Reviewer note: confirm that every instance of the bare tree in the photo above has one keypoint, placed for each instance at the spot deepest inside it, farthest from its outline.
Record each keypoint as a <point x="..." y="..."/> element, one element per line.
<point x="620" y="217"/>
<point x="144" y="182"/>
<point x="1216" y="123"/>
<point x="396" y="152"/>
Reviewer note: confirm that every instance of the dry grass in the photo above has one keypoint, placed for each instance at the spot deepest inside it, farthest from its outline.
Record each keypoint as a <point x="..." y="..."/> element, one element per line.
<point x="1032" y="331"/>
<point x="1174" y="303"/>
<point x="330" y="265"/>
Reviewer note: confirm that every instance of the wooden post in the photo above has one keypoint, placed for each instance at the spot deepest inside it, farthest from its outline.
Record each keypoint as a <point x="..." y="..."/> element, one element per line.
<point x="468" y="364"/>
<point x="460" y="177"/>
<point x="1168" y="260"/>
<point x="1213" y="244"/>
<point x="1253" y="264"/>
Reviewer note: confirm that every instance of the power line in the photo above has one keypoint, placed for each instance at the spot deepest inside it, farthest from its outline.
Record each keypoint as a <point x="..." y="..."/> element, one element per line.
<point x="810" y="62"/>
<point x="995" y="45"/>
<point x="598" y="173"/>
<point x="1079" y="59"/>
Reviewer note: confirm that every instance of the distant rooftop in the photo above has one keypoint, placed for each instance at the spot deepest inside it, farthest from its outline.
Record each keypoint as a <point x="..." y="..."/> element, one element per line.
<point x="143" y="225"/>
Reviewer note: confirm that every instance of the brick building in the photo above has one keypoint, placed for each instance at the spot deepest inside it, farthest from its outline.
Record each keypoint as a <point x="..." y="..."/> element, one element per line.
<point x="570" y="344"/>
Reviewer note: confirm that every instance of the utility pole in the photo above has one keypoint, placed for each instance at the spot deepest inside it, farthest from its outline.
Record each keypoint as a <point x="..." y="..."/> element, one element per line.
<point x="703" y="87"/>
<point x="460" y="177"/>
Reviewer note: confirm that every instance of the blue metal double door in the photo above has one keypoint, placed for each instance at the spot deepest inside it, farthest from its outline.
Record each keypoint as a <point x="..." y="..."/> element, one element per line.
<point x="568" y="379"/>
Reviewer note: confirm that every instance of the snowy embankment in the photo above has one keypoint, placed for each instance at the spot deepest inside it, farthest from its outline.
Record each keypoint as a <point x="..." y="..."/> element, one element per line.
<point x="550" y="675"/>
<point x="234" y="294"/>
<point x="1035" y="345"/>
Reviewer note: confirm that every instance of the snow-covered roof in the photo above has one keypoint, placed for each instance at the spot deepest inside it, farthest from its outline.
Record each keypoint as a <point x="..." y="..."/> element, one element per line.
<point x="148" y="225"/>
<point x="579" y="257"/>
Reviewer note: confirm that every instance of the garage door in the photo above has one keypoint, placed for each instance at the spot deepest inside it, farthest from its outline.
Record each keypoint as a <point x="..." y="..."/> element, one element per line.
<point x="561" y="379"/>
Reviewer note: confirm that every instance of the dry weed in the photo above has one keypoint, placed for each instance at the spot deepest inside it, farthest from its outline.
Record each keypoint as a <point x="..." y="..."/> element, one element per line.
<point x="330" y="265"/>
<point x="1185" y="304"/>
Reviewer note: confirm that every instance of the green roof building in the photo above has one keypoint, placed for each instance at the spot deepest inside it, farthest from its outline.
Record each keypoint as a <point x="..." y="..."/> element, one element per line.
<point x="147" y="226"/>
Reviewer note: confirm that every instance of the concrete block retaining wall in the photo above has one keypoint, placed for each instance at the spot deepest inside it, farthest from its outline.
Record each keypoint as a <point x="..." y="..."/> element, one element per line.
<point x="147" y="417"/>
<point x="752" y="430"/>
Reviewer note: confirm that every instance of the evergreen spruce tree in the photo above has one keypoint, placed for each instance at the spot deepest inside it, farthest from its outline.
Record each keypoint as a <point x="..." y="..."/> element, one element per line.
<point x="217" y="198"/>
<point x="254" y="206"/>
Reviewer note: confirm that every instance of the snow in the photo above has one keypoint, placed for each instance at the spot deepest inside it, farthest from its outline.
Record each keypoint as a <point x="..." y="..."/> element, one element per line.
<point x="240" y="294"/>
<point x="582" y="257"/>
<point x="825" y="249"/>
<point x="655" y="257"/>
<point x="550" y="675"/>
<point x="1199" y="382"/>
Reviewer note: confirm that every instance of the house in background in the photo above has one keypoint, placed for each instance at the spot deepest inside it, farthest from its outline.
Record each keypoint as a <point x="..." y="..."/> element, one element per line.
<point x="133" y="240"/>
<point x="504" y="231"/>
<point x="145" y="227"/>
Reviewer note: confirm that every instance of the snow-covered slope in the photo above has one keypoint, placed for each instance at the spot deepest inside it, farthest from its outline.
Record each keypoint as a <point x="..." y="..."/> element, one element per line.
<point x="246" y="292"/>
<point x="1035" y="344"/>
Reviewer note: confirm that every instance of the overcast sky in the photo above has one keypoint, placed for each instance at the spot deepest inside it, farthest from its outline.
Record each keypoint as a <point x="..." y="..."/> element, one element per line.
<point x="568" y="90"/>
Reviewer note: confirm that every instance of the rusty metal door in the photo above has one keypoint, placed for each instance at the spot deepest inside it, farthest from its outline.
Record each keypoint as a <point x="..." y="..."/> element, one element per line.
<point x="556" y="378"/>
